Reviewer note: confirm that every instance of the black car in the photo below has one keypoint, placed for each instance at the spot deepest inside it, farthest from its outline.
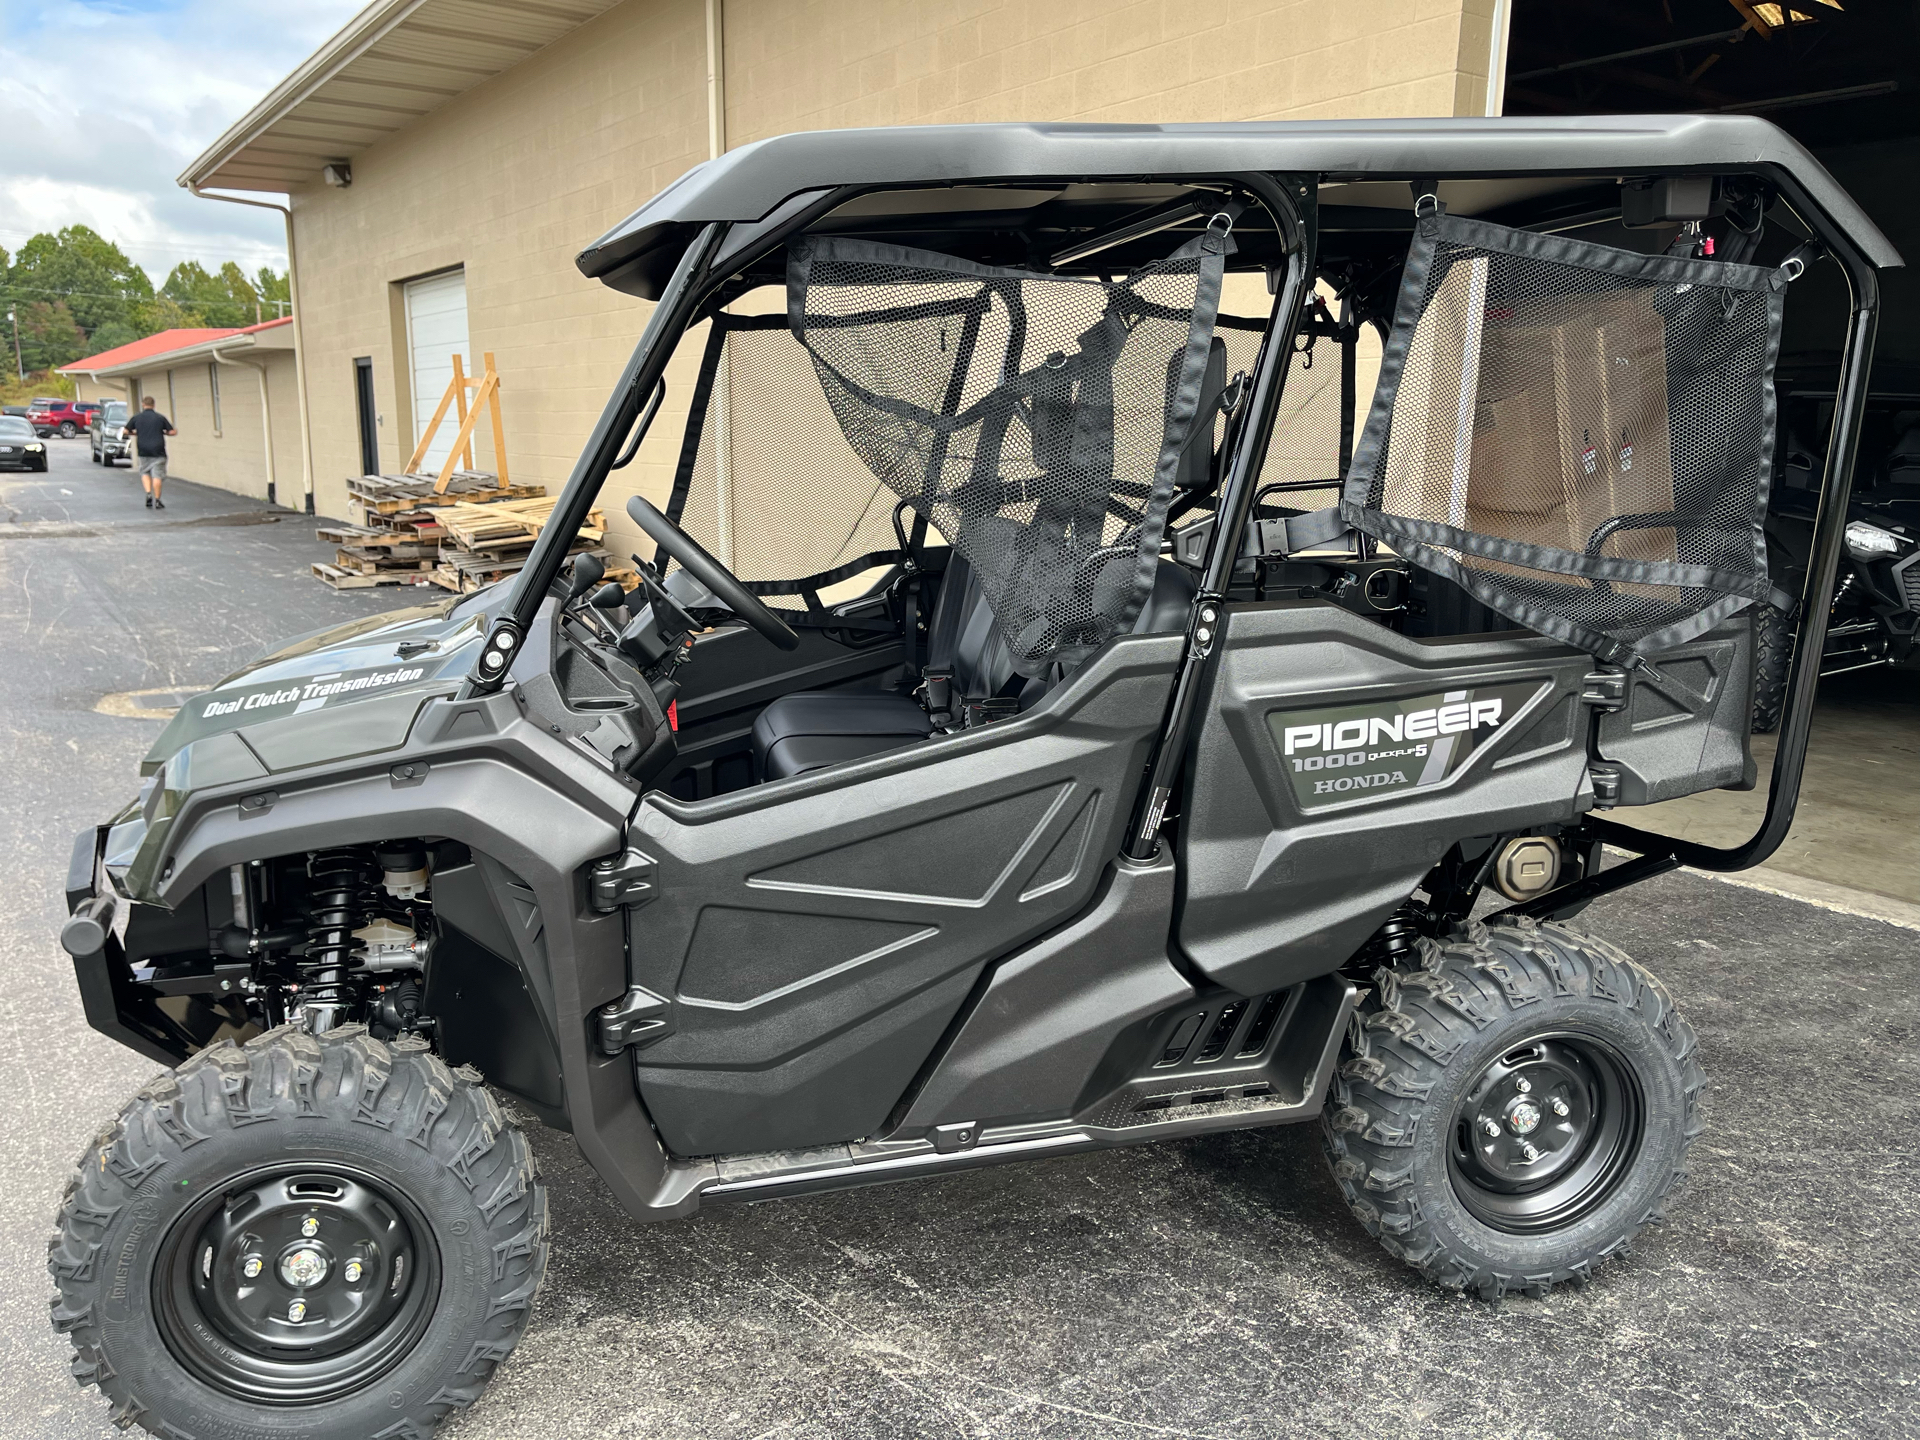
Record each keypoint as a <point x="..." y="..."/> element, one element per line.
<point x="20" y="448"/>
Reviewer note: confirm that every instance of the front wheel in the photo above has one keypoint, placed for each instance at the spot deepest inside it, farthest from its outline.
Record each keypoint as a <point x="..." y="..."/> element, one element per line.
<point x="327" y="1237"/>
<point x="1513" y="1108"/>
<point x="67" y="430"/>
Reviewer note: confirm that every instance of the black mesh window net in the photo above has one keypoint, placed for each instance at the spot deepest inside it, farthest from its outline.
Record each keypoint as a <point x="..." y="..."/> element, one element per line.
<point x="1036" y="421"/>
<point x="1580" y="436"/>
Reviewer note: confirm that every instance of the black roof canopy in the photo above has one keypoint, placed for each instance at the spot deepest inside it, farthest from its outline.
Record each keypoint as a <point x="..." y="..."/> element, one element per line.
<point x="748" y="184"/>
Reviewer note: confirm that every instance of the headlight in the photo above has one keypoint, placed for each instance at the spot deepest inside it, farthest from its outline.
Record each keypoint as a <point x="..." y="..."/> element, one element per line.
<point x="32" y="448"/>
<point x="1869" y="542"/>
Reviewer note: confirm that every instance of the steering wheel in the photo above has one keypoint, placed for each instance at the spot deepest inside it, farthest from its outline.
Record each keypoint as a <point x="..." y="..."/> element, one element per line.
<point x="711" y="573"/>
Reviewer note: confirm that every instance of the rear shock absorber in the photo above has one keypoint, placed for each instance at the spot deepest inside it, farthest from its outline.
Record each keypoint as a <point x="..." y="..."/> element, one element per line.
<point x="334" y="911"/>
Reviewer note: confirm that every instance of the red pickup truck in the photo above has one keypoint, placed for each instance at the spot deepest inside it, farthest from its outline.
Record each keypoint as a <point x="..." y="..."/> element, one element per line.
<point x="69" y="417"/>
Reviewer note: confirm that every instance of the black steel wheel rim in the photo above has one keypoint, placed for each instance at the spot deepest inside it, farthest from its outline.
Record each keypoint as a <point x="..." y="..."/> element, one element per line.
<point x="1545" y="1133"/>
<point x="296" y="1284"/>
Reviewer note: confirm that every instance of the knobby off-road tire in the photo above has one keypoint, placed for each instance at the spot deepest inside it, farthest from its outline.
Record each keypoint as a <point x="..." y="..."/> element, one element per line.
<point x="1438" y="1051"/>
<point x="387" y="1152"/>
<point x="1772" y="654"/>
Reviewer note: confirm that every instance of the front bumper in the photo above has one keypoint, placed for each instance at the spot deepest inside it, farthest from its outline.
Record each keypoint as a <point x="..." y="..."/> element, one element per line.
<point x="115" y="1004"/>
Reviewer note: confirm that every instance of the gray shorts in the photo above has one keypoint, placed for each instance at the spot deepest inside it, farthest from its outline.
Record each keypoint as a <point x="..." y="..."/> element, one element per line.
<point x="154" y="465"/>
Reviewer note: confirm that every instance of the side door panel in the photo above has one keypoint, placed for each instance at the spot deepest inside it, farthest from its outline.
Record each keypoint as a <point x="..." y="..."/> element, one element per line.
<point x="815" y="936"/>
<point x="1336" y="762"/>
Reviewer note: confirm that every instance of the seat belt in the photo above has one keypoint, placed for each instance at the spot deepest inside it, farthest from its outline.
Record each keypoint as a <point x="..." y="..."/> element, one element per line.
<point x="912" y="548"/>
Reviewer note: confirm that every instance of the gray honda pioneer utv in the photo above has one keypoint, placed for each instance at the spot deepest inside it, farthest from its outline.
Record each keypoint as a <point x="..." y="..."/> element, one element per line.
<point x="1058" y="710"/>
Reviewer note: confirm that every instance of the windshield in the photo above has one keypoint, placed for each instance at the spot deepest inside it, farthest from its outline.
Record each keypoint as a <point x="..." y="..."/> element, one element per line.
<point x="14" y="428"/>
<point x="114" y="412"/>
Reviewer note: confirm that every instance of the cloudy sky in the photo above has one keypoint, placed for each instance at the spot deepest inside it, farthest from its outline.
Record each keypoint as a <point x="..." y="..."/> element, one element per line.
<point x="104" y="102"/>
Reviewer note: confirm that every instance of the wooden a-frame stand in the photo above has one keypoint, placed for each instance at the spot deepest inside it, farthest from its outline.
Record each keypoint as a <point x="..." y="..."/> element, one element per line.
<point x="486" y="396"/>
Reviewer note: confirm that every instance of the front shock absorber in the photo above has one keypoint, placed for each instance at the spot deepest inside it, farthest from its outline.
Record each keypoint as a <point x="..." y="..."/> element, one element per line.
<point x="1396" y="938"/>
<point x="338" y="878"/>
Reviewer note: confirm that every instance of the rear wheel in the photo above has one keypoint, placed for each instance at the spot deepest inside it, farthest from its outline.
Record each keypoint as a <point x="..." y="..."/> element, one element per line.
<point x="1513" y="1108"/>
<point x="324" y="1236"/>
<point x="1772" y="650"/>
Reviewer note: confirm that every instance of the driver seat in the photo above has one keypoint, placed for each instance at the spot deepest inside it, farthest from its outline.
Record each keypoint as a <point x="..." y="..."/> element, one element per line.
<point x="809" y="730"/>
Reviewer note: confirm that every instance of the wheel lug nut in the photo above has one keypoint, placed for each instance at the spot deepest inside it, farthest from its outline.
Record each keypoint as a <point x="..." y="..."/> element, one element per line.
<point x="1523" y="1086"/>
<point x="1492" y="1127"/>
<point x="1529" y="1151"/>
<point x="1557" y="1105"/>
<point x="297" y="1311"/>
<point x="354" y="1271"/>
<point x="309" y="1227"/>
<point x="251" y="1269"/>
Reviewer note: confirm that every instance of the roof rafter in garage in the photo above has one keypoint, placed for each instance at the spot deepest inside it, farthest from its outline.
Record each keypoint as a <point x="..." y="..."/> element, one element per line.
<point x="394" y="62"/>
<point x="1831" y="71"/>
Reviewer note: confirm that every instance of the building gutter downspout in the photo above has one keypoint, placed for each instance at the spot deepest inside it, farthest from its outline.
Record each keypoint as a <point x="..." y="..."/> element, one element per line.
<point x="299" y="344"/>
<point x="722" y="389"/>
<point x="1501" y="32"/>
<point x="259" y="368"/>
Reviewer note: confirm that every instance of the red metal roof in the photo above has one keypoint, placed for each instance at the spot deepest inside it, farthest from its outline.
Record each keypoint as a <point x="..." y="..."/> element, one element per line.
<point x="164" y="342"/>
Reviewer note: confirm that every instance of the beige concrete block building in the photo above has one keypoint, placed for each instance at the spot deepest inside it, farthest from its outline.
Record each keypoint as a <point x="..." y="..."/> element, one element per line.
<point x="233" y="395"/>
<point x="482" y="146"/>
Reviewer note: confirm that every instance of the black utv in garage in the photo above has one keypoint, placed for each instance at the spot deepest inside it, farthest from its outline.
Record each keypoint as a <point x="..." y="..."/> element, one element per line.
<point x="1059" y="710"/>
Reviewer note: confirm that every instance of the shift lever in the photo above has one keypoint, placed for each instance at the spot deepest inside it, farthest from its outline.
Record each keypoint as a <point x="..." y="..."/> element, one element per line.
<point x="587" y="573"/>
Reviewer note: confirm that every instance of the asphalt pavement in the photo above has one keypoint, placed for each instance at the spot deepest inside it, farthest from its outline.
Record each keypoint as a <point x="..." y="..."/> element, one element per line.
<point x="1208" y="1288"/>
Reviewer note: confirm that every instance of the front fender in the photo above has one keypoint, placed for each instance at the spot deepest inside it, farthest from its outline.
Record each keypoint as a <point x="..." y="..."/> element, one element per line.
<point x="476" y="771"/>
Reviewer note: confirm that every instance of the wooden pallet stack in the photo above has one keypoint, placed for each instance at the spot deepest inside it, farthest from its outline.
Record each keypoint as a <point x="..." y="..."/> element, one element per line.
<point x="489" y="542"/>
<point x="394" y="537"/>
<point x="460" y="529"/>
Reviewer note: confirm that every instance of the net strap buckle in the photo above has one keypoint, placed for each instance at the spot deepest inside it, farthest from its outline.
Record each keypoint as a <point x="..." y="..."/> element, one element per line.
<point x="1288" y="535"/>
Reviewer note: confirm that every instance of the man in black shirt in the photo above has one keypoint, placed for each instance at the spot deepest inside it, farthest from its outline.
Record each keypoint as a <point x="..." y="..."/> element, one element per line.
<point x="150" y="430"/>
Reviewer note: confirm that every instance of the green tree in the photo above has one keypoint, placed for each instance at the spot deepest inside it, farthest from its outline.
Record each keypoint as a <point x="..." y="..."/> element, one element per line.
<point x="276" y="293"/>
<point x="49" y="335"/>
<point x="111" y="336"/>
<point x="163" y="313"/>
<point x="227" y="298"/>
<point x="91" y="276"/>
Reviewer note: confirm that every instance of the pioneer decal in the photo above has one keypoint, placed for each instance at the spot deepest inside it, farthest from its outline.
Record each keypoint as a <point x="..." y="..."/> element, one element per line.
<point x="1390" y="746"/>
<point x="305" y="695"/>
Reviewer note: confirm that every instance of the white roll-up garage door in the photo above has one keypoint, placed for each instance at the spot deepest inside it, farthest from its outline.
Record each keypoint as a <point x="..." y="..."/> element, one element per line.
<point x="436" y="332"/>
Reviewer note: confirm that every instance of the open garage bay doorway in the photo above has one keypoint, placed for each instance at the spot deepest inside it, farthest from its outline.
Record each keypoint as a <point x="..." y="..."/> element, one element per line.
<point x="1843" y="78"/>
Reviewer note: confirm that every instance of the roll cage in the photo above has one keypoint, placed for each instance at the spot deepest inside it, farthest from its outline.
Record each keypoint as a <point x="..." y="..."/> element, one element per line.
<point x="1318" y="210"/>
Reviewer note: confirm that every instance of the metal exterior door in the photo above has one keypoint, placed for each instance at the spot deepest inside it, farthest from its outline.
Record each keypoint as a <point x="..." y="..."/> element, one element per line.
<point x="364" y="403"/>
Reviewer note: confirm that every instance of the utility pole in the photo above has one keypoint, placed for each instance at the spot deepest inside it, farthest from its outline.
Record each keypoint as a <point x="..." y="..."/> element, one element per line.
<point x="19" y="368"/>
